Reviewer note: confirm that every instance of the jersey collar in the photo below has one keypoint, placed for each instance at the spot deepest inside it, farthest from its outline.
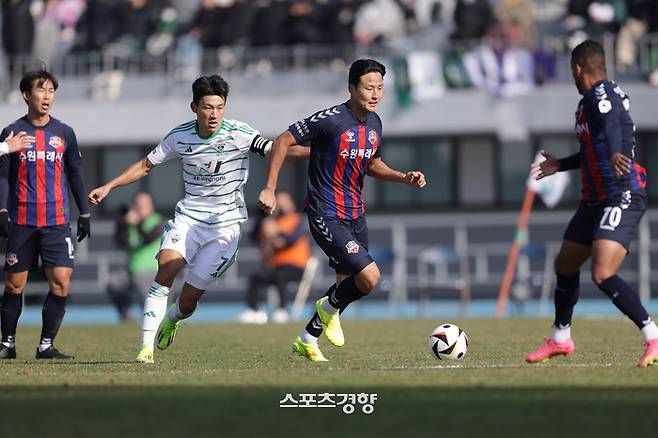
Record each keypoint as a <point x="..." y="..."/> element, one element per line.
<point x="196" y="130"/>
<point x="349" y="110"/>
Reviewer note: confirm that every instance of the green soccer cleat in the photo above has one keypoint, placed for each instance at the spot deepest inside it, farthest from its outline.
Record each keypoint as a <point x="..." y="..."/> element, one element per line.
<point x="331" y="324"/>
<point x="145" y="354"/>
<point x="167" y="332"/>
<point x="309" y="351"/>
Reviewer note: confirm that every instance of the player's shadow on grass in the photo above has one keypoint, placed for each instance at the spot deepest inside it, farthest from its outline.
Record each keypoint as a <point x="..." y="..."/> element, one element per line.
<point x="210" y="409"/>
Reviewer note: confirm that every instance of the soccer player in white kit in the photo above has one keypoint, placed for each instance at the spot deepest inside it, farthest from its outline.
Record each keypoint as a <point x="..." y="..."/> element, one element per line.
<point x="205" y="231"/>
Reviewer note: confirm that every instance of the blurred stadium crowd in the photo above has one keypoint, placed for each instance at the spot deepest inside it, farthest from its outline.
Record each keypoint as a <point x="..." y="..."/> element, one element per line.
<point x="521" y="38"/>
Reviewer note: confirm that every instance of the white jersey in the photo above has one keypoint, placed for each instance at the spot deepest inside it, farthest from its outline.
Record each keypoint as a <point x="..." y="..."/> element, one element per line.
<point x="215" y="169"/>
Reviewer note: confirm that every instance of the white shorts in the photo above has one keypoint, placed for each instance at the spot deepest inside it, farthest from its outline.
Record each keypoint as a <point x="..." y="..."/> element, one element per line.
<point x="208" y="251"/>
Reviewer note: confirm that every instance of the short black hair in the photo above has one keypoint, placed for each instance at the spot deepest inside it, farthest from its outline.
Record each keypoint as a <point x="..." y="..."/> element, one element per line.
<point x="589" y="55"/>
<point x="362" y="67"/>
<point x="213" y="85"/>
<point x="39" y="76"/>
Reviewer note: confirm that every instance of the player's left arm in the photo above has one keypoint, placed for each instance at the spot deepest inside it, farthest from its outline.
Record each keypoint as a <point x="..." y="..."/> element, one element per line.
<point x="73" y="166"/>
<point x="263" y="146"/>
<point x="380" y="170"/>
<point x="610" y="111"/>
<point x="4" y="191"/>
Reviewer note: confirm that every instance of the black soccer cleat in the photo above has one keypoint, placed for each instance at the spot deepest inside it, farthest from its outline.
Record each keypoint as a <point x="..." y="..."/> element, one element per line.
<point x="7" y="352"/>
<point x="52" y="353"/>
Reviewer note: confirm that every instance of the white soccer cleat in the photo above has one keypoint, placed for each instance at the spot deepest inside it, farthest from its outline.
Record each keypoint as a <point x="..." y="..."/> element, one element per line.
<point x="145" y="354"/>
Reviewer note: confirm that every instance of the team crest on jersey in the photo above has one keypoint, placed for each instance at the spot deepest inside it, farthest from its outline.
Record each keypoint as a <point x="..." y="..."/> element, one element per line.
<point x="352" y="247"/>
<point x="372" y="137"/>
<point x="12" y="259"/>
<point x="350" y="136"/>
<point x="55" y="142"/>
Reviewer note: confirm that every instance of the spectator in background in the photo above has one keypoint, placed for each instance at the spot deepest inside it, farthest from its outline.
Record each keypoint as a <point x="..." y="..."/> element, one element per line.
<point x="285" y="249"/>
<point x="338" y="20"/>
<point x="211" y="24"/>
<point x="380" y="22"/>
<point x="472" y="19"/>
<point x="136" y="21"/>
<point x="97" y="26"/>
<point x="500" y="67"/>
<point x="267" y="22"/>
<point x="55" y="30"/>
<point x="516" y="19"/>
<point x="303" y="24"/>
<point x="138" y="232"/>
<point x="642" y="19"/>
<point x="431" y="12"/>
<point x="587" y="18"/>
<point x="186" y="9"/>
<point x="17" y="34"/>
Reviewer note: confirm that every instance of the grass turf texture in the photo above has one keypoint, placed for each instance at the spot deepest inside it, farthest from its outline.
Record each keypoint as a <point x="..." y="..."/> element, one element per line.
<point x="227" y="380"/>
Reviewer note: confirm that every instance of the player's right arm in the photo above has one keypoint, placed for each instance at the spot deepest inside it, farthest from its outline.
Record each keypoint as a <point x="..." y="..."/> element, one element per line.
<point x="15" y="143"/>
<point x="162" y="152"/>
<point x="132" y="173"/>
<point x="4" y="190"/>
<point x="552" y="165"/>
<point x="287" y="145"/>
<point x="267" y="197"/>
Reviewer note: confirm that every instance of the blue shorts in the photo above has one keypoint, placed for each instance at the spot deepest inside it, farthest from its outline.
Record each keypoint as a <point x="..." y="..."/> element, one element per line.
<point x="26" y="243"/>
<point x="606" y="222"/>
<point x="344" y="241"/>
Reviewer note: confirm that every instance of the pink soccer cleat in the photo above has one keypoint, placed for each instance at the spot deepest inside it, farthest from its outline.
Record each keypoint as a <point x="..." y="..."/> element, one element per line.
<point x="650" y="354"/>
<point x="552" y="348"/>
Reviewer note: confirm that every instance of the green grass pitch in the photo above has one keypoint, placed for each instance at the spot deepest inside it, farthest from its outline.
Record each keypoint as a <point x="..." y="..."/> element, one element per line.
<point x="226" y="380"/>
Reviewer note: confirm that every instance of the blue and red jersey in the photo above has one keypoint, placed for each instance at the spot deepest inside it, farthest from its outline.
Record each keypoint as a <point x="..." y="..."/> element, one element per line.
<point x="604" y="127"/>
<point x="38" y="177"/>
<point x="342" y="147"/>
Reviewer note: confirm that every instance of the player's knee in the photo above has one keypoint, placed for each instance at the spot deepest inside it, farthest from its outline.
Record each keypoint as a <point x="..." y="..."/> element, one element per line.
<point x="14" y="286"/>
<point x="564" y="267"/>
<point x="166" y="275"/>
<point x="600" y="274"/>
<point x="60" y="287"/>
<point x="368" y="279"/>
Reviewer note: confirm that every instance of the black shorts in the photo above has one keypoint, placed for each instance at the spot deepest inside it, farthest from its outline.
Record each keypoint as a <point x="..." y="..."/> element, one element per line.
<point x="605" y="222"/>
<point x="344" y="241"/>
<point x="26" y="243"/>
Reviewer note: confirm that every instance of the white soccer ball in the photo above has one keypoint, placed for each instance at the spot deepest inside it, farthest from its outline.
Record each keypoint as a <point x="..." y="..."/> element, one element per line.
<point x="448" y="341"/>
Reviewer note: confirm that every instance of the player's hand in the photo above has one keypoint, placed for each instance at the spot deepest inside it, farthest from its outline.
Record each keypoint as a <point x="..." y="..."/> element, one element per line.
<point x="621" y="164"/>
<point x="415" y="179"/>
<point x="4" y="224"/>
<point x="546" y="168"/>
<point x="98" y="194"/>
<point x="18" y="142"/>
<point x="84" y="227"/>
<point x="267" y="200"/>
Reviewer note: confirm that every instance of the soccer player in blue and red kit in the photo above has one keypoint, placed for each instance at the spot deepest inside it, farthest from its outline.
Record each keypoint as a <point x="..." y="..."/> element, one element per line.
<point x="34" y="213"/>
<point x="613" y="203"/>
<point x="345" y="143"/>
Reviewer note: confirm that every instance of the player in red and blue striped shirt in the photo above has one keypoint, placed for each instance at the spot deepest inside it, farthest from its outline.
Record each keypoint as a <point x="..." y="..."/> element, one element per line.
<point x="345" y="143"/>
<point x="34" y="187"/>
<point x="613" y="203"/>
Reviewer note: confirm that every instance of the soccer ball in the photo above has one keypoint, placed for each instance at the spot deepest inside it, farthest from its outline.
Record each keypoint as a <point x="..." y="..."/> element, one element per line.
<point x="448" y="341"/>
